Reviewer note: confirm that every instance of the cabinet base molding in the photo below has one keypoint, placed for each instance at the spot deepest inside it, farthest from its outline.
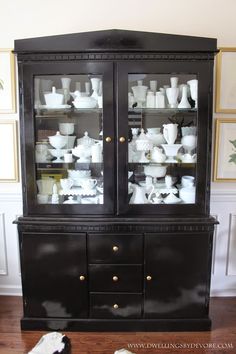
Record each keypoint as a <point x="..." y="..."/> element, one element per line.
<point x="93" y="325"/>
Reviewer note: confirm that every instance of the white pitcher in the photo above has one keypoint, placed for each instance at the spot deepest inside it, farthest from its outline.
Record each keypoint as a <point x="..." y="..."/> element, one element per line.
<point x="170" y="132"/>
<point x="139" y="193"/>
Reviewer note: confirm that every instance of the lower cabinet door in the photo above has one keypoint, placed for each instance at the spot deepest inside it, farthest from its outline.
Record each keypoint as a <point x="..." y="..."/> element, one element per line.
<point x="54" y="275"/>
<point x="177" y="275"/>
<point x="116" y="305"/>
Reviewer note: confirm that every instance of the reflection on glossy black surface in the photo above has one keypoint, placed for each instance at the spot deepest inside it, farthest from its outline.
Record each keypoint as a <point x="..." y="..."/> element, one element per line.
<point x="178" y="265"/>
<point x="52" y="265"/>
<point x="130" y="248"/>
<point x="128" y="278"/>
<point x="103" y="305"/>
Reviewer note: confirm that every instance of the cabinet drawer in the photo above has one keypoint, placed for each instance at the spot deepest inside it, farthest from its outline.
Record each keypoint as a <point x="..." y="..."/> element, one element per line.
<point x="116" y="278"/>
<point x="110" y="248"/>
<point x="115" y="305"/>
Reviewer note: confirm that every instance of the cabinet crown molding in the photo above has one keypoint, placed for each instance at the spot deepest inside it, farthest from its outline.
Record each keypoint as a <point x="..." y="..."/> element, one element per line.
<point x="116" y="40"/>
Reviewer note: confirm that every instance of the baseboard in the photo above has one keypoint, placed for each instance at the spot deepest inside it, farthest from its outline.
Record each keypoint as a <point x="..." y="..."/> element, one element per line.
<point x="223" y="292"/>
<point x="11" y="290"/>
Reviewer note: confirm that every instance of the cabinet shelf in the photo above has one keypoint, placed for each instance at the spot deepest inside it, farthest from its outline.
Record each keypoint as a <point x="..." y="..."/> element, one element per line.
<point x="65" y="165"/>
<point x="172" y="111"/>
<point x="61" y="113"/>
<point x="185" y="164"/>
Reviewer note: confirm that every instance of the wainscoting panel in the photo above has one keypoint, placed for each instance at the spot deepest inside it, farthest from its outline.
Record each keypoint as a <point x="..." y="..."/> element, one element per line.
<point x="3" y="250"/>
<point x="214" y="247"/>
<point x="223" y="283"/>
<point x="223" y="208"/>
<point x="10" y="281"/>
<point x="231" y="259"/>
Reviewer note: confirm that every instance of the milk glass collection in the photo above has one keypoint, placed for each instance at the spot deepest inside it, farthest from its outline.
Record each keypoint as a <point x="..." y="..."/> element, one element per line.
<point x="69" y="145"/>
<point x="161" y="148"/>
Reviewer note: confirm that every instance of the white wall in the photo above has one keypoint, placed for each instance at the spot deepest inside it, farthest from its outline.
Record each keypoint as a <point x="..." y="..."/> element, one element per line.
<point x="207" y="18"/>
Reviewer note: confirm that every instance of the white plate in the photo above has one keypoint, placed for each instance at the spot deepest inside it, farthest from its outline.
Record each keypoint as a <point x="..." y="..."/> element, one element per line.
<point x="78" y="191"/>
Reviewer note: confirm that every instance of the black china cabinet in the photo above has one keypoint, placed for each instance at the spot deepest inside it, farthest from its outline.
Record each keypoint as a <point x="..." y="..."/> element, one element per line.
<point x="116" y="155"/>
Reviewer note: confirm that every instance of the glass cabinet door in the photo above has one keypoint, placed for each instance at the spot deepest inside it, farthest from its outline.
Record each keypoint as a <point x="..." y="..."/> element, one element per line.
<point x="71" y="138"/>
<point x="161" y="119"/>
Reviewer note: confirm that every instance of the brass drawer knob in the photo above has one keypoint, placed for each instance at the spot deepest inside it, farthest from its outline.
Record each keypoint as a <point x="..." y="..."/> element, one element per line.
<point x="115" y="278"/>
<point x="149" y="277"/>
<point x="122" y="139"/>
<point x="115" y="248"/>
<point x="115" y="306"/>
<point x="108" y="139"/>
<point x="82" y="277"/>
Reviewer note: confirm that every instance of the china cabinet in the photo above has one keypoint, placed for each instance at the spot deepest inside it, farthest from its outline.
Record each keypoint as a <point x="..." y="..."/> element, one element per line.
<point x="116" y="147"/>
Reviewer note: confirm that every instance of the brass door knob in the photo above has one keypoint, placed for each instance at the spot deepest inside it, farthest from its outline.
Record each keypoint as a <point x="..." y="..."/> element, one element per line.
<point x="108" y="139"/>
<point x="115" y="248"/>
<point x="115" y="278"/>
<point x="149" y="277"/>
<point x="122" y="139"/>
<point x="82" y="277"/>
<point x="115" y="306"/>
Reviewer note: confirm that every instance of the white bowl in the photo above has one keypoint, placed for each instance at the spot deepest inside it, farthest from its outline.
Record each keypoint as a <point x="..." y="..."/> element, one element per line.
<point x="155" y="170"/>
<point x="58" y="141"/>
<point x="85" y="102"/>
<point x="79" y="174"/>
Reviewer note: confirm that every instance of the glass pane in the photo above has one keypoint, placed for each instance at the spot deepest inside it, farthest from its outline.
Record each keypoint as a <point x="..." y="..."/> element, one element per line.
<point x="162" y="118"/>
<point x="68" y="136"/>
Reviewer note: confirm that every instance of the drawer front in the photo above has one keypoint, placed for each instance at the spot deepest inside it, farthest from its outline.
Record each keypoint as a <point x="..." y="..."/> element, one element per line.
<point x="116" y="278"/>
<point x="110" y="248"/>
<point x="116" y="305"/>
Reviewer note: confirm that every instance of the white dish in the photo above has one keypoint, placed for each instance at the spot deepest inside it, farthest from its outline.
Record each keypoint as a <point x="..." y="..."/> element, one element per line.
<point x="172" y="199"/>
<point x="78" y="191"/>
<point x="62" y="106"/>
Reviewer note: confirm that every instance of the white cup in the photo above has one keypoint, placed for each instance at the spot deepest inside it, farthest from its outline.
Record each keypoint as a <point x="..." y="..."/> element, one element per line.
<point x="187" y="181"/>
<point x="88" y="184"/>
<point x="66" y="183"/>
<point x="42" y="198"/>
<point x="68" y="157"/>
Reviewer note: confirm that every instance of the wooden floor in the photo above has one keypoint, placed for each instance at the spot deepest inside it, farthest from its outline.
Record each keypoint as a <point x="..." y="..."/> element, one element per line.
<point x="222" y="336"/>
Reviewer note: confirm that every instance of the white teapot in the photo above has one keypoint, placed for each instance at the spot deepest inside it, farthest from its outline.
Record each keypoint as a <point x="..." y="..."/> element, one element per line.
<point x="157" y="155"/>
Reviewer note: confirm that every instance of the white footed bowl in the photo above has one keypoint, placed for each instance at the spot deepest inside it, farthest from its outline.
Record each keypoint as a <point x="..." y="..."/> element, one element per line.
<point x="155" y="171"/>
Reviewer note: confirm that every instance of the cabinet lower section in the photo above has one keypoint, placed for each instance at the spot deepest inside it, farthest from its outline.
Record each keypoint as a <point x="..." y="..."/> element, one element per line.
<point x="147" y="275"/>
